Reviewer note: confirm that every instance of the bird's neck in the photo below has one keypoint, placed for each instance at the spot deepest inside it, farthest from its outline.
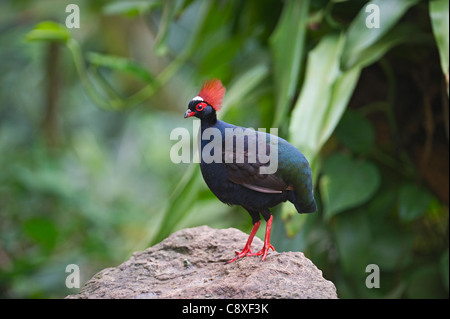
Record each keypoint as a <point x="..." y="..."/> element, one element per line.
<point x="209" y="121"/>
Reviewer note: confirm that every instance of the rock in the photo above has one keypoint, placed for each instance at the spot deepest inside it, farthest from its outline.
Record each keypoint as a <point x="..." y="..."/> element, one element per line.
<point x="191" y="263"/>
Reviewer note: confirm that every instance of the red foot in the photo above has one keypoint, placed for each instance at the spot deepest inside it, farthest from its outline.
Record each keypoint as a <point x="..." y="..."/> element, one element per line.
<point x="267" y="244"/>
<point x="247" y="251"/>
<point x="263" y="252"/>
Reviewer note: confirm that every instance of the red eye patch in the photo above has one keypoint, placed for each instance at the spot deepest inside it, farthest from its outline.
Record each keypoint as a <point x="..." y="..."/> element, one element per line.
<point x="200" y="106"/>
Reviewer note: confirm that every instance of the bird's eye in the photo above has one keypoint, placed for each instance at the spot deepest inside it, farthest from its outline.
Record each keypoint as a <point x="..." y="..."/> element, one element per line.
<point x="200" y="106"/>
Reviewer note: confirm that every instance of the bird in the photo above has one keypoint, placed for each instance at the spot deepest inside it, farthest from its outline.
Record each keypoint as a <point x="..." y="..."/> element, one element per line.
<point x="236" y="175"/>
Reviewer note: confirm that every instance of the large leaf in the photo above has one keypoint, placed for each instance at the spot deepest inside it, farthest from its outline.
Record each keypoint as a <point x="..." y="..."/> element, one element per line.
<point x="390" y="248"/>
<point x="399" y="34"/>
<point x="352" y="236"/>
<point x="324" y="97"/>
<point x="322" y="101"/>
<point x="425" y="282"/>
<point x="243" y="85"/>
<point x="286" y="45"/>
<point x="413" y="202"/>
<point x="347" y="183"/>
<point x="440" y="22"/>
<point x="341" y="92"/>
<point x="333" y="69"/>
<point x="170" y="9"/>
<point x="361" y="38"/>
<point x="356" y="132"/>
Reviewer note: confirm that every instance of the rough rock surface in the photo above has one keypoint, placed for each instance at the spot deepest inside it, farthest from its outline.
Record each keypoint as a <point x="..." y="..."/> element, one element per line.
<point x="191" y="263"/>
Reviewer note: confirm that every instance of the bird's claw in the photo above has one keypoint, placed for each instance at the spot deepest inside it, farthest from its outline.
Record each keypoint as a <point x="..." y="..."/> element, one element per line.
<point x="241" y="254"/>
<point x="247" y="252"/>
<point x="263" y="252"/>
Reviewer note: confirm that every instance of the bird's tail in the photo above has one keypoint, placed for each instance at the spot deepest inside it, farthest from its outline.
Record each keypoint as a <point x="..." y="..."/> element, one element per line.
<point x="303" y="207"/>
<point x="310" y="208"/>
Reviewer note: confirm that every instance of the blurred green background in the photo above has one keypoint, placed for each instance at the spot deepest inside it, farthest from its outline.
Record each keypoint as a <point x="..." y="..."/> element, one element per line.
<point x="86" y="115"/>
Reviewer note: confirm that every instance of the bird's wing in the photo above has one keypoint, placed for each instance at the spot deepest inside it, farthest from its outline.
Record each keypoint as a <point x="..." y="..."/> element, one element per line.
<point x="243" y="168"/>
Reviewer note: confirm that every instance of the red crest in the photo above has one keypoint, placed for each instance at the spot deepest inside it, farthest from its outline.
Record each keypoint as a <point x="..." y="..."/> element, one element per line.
<point x="212" y="92"/>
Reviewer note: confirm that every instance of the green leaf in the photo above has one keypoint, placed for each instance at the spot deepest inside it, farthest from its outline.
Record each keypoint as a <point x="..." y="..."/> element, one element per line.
<point x="353" y="236"/>
<point x="220" y="54"/>
<point x="130" y="8"/>
<point x="42" y="231"/>
<point x="347" y="183"/>
<point x="439" y="14"/>
<point x="49" y="31"/>
<point x="311" y="107"/>
<point x="120" y="64"/>
<point x="341" y="92"/>
<point x="391" y="248"/>
<point x="364" y="45"/>
<point x="170" y="8"/>
<point x="425" y="283"/>
<point x="243" y="85"/>
<point x="287" y="47"/>
<point x="356" y="132"/>
<point x="413" y="202"/>
<point x="323" y="98"/>
<point x="399" y="34"/>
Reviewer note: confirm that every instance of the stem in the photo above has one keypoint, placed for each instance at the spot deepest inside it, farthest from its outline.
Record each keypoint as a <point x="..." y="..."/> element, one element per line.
<point x="50" y="119"/>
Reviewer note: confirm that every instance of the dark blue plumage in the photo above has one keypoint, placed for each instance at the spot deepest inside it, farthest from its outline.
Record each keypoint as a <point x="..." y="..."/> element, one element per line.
<point x="236" y="182"/>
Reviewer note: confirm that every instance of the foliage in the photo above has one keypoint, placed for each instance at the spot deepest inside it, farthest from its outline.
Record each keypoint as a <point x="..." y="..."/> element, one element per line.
<point x="86" y="116"/>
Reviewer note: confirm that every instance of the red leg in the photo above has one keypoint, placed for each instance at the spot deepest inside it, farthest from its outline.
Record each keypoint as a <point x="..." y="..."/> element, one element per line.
<point x="267" y="244"/>
<point x="247" y="249"/>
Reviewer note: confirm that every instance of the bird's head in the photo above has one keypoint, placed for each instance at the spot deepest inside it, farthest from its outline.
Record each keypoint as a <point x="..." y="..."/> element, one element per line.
<point x="208" y="100"/>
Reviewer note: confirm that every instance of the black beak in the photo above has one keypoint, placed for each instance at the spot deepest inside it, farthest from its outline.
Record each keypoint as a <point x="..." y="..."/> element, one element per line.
<point x="189" y="113"/>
